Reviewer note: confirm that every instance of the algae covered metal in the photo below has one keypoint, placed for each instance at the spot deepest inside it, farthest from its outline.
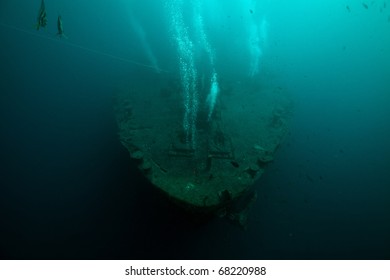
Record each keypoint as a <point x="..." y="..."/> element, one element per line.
<point x="231" y="150"/>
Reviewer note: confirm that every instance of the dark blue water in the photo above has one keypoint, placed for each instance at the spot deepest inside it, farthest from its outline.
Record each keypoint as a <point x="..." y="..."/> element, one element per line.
<point x="69" y="190"/>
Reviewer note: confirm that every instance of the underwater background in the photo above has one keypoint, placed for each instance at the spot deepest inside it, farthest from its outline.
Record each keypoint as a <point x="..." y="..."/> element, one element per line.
<point x="68" y="189"/>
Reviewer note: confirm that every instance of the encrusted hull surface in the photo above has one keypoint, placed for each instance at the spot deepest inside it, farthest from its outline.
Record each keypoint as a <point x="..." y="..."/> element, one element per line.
<point x="229" y="153"/>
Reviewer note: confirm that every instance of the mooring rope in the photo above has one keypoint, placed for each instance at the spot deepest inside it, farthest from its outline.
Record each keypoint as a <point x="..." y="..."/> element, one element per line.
<point x="83" y="48"/>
